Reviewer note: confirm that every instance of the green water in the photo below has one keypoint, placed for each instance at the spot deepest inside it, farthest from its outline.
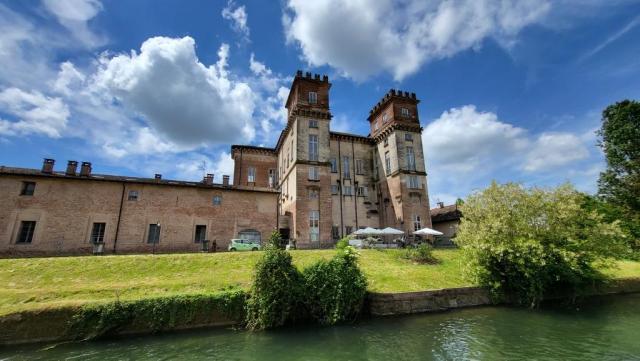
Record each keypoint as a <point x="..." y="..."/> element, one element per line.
<point x="604" y="329"/>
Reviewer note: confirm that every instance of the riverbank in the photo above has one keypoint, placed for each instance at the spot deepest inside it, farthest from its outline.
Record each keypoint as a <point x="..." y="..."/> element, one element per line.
<point x="40" y="296"/>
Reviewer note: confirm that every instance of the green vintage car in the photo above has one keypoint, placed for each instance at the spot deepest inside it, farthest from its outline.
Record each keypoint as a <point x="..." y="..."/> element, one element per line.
<point x="243" y="245"/>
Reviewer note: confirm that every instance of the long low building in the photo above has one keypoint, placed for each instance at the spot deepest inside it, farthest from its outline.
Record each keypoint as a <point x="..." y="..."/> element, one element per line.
<point x="48" y="212"/>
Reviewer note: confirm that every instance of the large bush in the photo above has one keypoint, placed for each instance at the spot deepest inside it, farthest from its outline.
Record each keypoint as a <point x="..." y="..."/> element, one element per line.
<point x="335" y="289"/>
<point x="423" y="253"/>
<point x="276" y="291"/>
<point x="527" y="242"/>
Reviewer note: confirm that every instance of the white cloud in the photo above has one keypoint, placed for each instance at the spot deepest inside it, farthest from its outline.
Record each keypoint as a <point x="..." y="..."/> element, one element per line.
<point x="35" y="113"/>
<point x="187" y="102"/>
<point x="554" y="150"/>
<point x="237" y="15"/>
<point x="466" y="149"/>
<point x="68" y="77"/>
<point x="75" y="15"/>
<point x="361" y="38"/>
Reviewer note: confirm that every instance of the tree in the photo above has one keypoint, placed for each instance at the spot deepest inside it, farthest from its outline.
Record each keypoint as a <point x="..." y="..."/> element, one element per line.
<point x="620" y="141"/>
<point x="619" y="184"/>
<point x="528" y="242"/>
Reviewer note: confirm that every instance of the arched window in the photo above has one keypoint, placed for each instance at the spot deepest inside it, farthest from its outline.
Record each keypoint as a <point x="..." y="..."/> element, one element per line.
<point x="250" y="234"/>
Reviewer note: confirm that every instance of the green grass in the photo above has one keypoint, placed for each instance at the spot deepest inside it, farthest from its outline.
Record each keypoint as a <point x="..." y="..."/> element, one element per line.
<point x="37" y="283"/>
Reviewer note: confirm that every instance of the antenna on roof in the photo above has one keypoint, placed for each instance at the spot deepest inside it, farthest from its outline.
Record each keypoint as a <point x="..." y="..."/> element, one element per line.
<point x="203" y="168"/>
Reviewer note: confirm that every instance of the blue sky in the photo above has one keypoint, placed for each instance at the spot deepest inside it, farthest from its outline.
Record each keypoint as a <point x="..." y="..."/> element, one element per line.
<point x="510" y="90"/>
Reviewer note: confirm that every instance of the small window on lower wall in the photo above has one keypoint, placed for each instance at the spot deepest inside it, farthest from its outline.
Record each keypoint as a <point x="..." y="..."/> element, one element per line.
<point x="154" y="233"/>
<point x="27" y="228"/>
<point x="217" y="200"/>
<point x="335" y="232"/>
<point x="348" y="230"/>
<point x="201" y="233"/>
<point x="28" y="188"/>
<point x="97" y="233"/>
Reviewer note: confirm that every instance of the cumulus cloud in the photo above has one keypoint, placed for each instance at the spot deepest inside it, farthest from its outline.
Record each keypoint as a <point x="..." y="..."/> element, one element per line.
<point x="237" y="15"/>
<point x="75" y="16"/>
<point x="361" y="38"/>
<point x="466" y="148"/>
<point x="189" y="103"/>
<point x="34" y="113"/>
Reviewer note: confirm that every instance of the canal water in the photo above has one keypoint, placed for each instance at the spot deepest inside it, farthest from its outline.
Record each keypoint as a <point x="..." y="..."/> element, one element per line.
<point x="606" y="328"/>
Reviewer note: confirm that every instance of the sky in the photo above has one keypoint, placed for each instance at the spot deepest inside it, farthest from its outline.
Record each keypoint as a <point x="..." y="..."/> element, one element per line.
<point x="510" y="90"/>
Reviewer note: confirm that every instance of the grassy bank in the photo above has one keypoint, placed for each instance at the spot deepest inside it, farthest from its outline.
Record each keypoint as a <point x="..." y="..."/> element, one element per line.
<point x="37" y="283"/>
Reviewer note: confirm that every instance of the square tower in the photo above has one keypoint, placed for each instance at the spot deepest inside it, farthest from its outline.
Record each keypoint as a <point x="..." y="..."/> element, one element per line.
<point x="399" y="160"/>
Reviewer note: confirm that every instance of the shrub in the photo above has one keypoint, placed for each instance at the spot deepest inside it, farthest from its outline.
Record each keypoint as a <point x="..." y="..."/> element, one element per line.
<point x="335" y="289"/>
<point x="420" y="254"/>
<point x="276" y="291"/>
<point x="528" y="242"/>
<point x="343" y="243"/>
<point x="154" y="314"/>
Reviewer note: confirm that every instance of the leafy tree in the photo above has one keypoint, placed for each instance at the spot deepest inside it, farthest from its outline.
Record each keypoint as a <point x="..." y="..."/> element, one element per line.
<point x="619" y="184"/>
<point x="528" y="242"/>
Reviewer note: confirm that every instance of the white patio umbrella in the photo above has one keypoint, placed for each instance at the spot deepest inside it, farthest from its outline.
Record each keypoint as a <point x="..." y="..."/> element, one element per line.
<point x="428" y="231"/>
<point x="391" y="231"/>
<point x="366" y="231"/>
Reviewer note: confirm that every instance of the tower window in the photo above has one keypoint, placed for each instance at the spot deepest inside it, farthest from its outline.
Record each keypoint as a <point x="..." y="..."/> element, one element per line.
<point x="413" y="182"/>
<point x="387" y="163"/>
<point x="313" y="147"/>
<point x="28" y="188"/>
<point x="313" y="98"/>
<point x="408" y="137"/>
<point x="313" y="123"/>
<point x="314" y="193"/>
<point x="417" y="225"/>
<point x="411" y="159"/>
<point x="385" y="117"/>
<point x="251" y="175"/>
<point x="334" y="165"/>
<point x="313" y="173"/>
<point x="404" y="112"/>
<point x="386" y="141"/>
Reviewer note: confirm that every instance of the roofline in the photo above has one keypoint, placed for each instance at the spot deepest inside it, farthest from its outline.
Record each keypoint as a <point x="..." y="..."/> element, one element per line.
<point x="30" y="172"/>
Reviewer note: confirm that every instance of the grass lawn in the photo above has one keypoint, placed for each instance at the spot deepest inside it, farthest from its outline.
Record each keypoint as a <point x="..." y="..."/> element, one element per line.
<point x="35" y="283"/>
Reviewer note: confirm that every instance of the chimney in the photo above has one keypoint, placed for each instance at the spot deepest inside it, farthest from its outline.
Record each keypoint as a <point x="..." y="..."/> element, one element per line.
<point x="72" y="166"/>
<point x="158" y="177"/>
<point x="47" y="165"/>
<point x="225" y="180"/>
<point x="85" y="169"/>
<point x="441" y="204"/>
<point x="208" y="179"/>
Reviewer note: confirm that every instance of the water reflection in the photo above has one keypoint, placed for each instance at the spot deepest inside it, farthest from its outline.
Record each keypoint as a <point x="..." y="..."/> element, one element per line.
<point x="605" y="329"/>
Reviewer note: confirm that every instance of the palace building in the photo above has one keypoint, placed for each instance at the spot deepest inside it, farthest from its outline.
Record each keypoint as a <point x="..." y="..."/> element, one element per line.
<point x="315" y="186"/>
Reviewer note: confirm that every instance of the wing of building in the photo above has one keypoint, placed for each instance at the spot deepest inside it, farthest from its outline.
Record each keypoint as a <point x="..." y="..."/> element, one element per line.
<point x="314" y="186"/>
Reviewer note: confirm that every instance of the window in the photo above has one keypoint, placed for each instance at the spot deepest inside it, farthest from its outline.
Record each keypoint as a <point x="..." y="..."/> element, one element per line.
<point x="411" y="159"/>
<point x="154" y="233"/>
<point x="313" y="147"/>
<point x="348" y="229"/>
<point x="291" y="152"/>
<point x="97" y="233"/>
<point x="26" y="231"/>
<point x="217" y="200"/>
<point x="359" y="166"/>
<point x="133" y="196"/>
<point x="385" y="117"/>
<point x="272" y="178"/>
<point x="313" y="123"/>
<point x="416" y="223"/>
<point x="346" y="190"/>
<point x="334" y="165"/>
<point x="413" y="182"/>
<point x="251" y="175"/>
<point x="345" y="167"/>
<point x="314" y="225"/>
<point x="415" y="198"/>
<point x="408" y="137"/>
<point x="335" y="232"/>
<point x="313" y="98"/>
<point x="362" y="192"/>
<point x="404" y="112"/>
<point x="334" y="189"/>
<point x="201" y="233"/>
<point x="387" y="163"/>
<point x="314" y="193"/>
<point x="313" y="173"/>
<point x="28" y="188"/>
<point x="386" y="141"/>
<point x="376" y="125"/>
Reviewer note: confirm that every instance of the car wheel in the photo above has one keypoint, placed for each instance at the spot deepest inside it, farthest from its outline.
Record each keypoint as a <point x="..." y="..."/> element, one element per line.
<point x="232" y="249"/>
<point x="254" y="248"/>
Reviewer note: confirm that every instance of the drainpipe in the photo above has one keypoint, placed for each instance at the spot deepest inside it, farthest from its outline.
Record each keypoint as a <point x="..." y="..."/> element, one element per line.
<point x="115" y="238"/>
<point x="355" y="182"/>
<point x="340" y="189"/>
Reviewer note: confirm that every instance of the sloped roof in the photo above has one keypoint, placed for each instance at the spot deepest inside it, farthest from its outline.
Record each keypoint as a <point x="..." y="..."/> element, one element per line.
<point x="446" y="213"/>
